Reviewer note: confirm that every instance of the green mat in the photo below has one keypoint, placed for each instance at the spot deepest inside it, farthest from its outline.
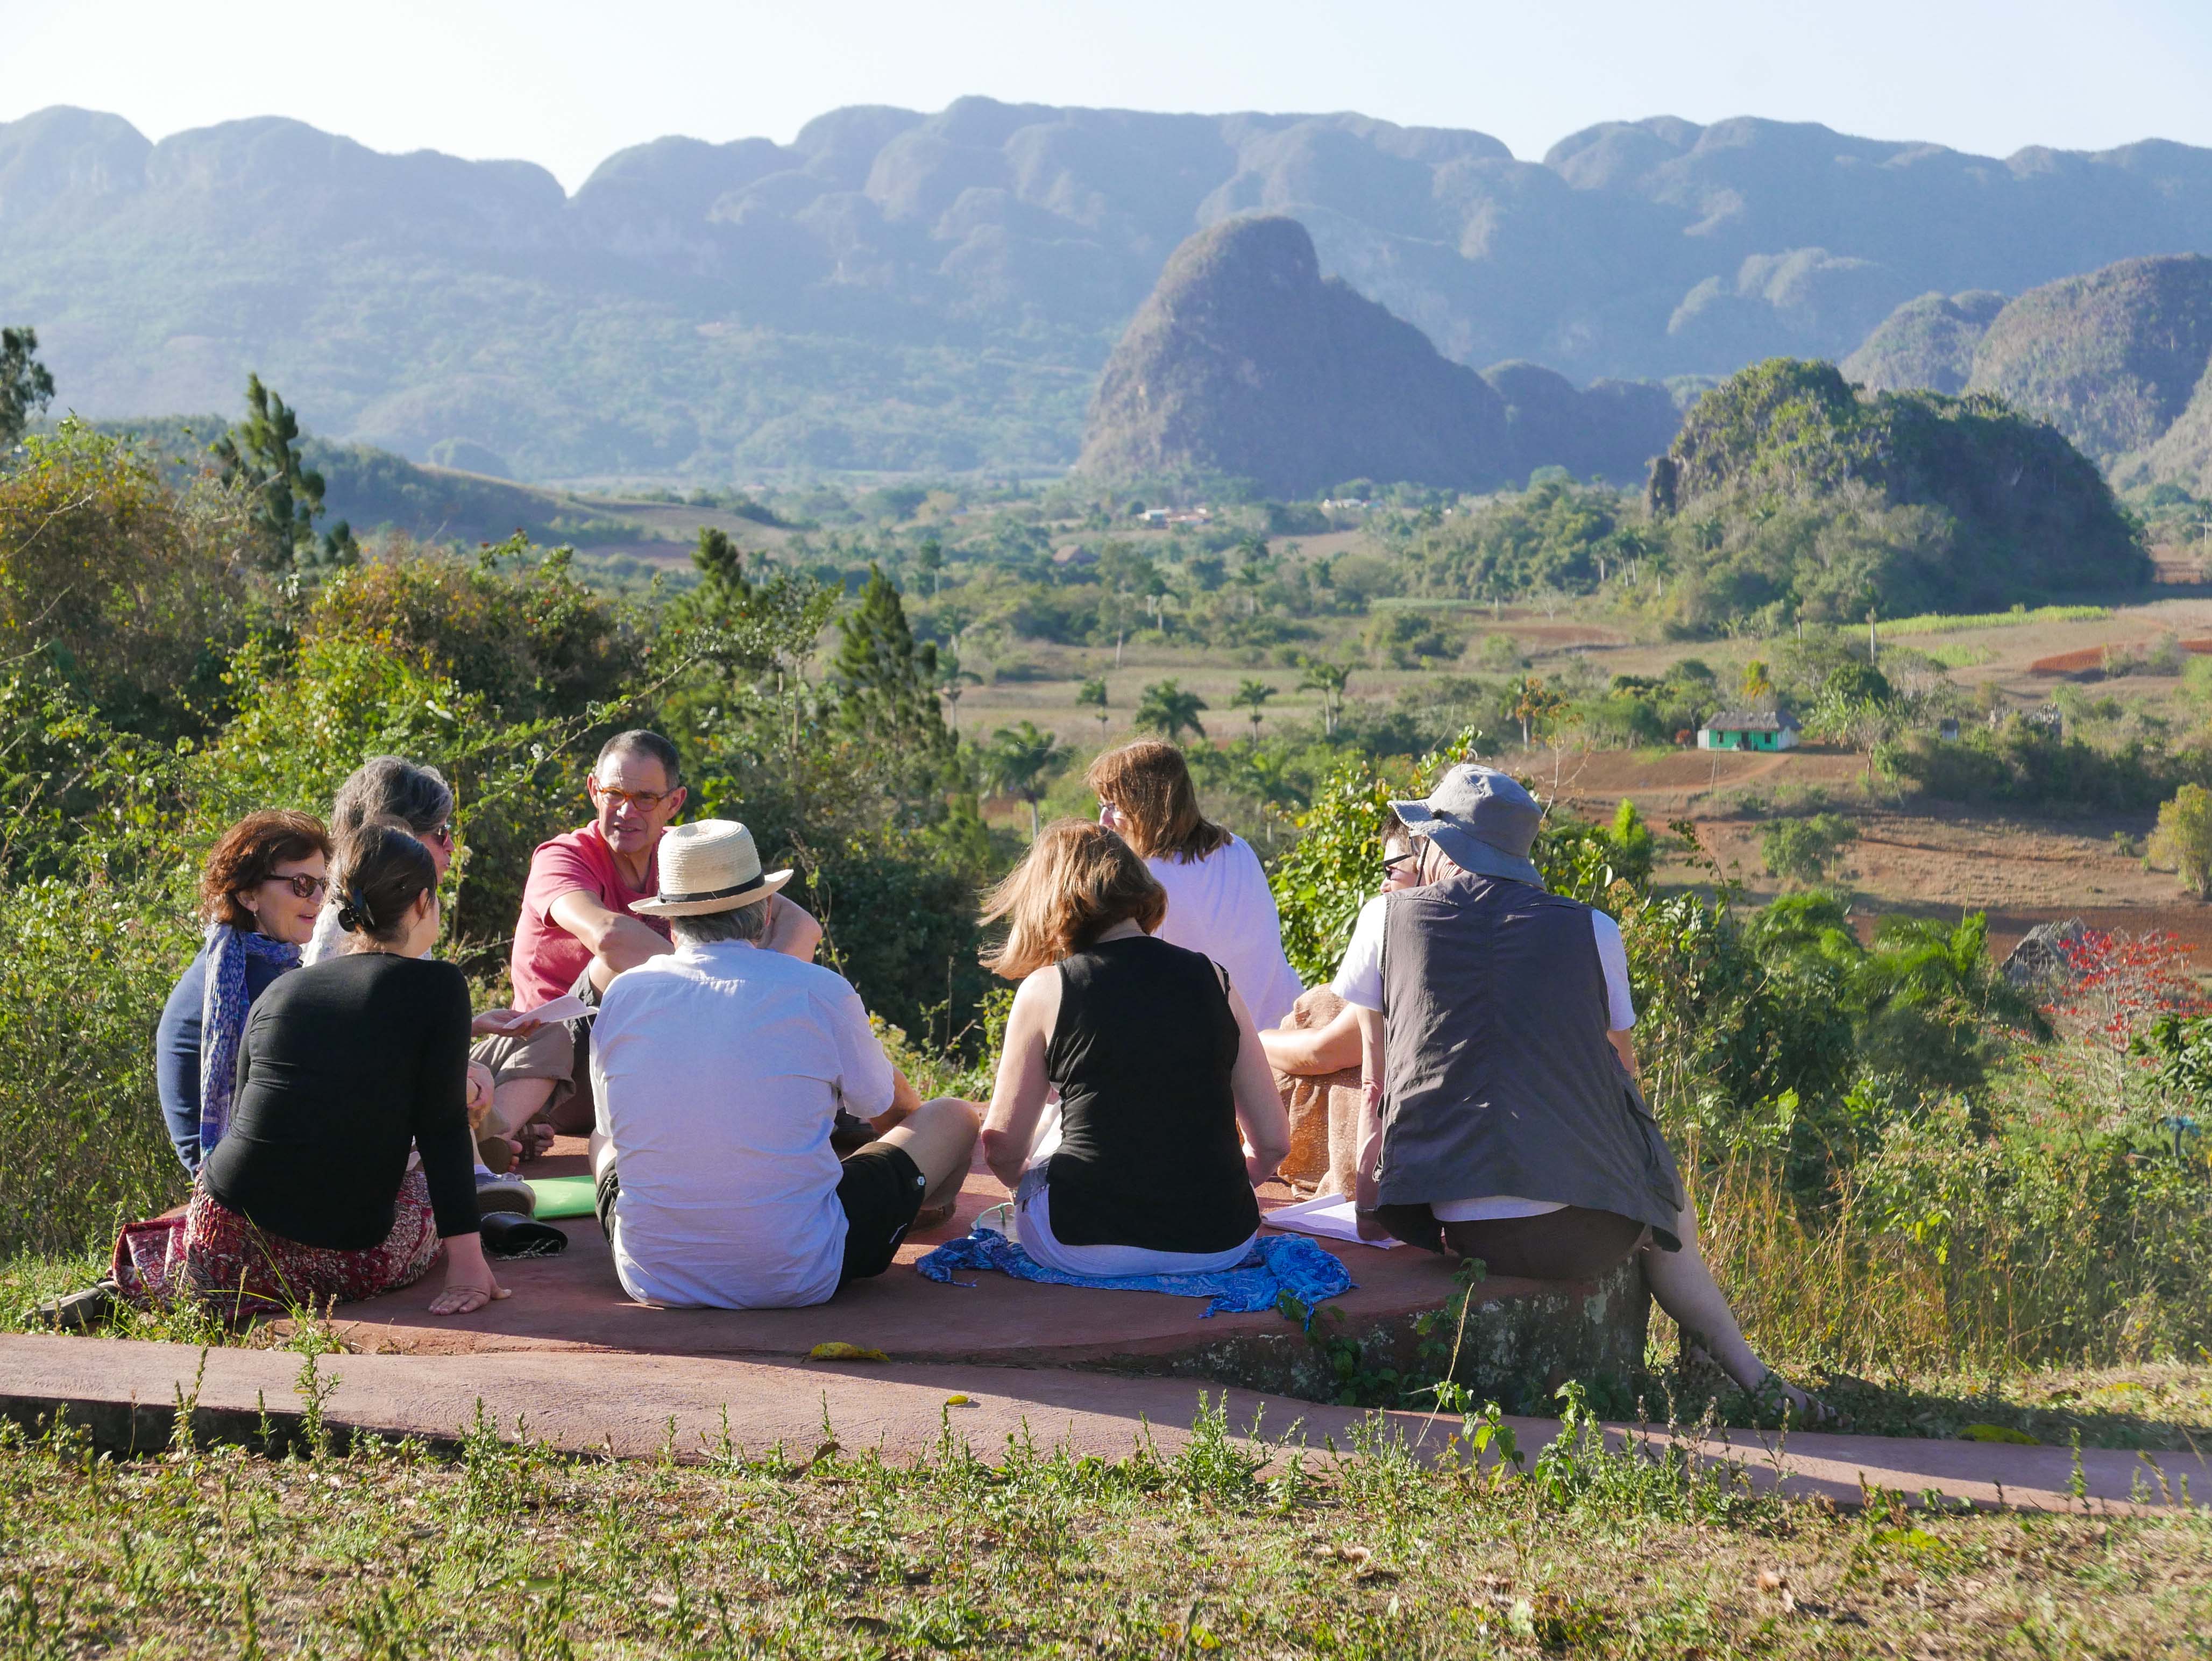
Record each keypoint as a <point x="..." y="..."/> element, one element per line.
<point x="563" y="1197"/>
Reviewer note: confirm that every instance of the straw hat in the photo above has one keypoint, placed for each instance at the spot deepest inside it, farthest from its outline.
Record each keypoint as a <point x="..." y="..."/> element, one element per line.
<point x="709" y="865"/>
<point x="1483" y="820"/>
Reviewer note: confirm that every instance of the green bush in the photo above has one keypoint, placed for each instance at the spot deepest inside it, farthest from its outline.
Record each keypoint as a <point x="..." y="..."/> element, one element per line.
<point x="84" y="968"/>
<point x="1806" y="850"/>
<point x="2022" y="761"/>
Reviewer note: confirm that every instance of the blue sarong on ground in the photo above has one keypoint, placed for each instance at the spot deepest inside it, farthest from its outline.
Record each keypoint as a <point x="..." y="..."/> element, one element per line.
<point x="1277" y="1263"/>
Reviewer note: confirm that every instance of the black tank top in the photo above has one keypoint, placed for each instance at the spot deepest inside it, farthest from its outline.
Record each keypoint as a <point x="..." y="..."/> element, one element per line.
<point x="1149" y="1152"/>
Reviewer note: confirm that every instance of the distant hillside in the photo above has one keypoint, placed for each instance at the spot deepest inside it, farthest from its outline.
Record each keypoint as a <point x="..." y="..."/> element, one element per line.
<point x="375" y="492"/>
<point x="2109" y="358"/>
<point x="1927" y="342"/>
<point x="2114" y="358"/>
<point x="908" y="291"/>
<point x="1246" y="362"/>
<point x="1907" y="501"/>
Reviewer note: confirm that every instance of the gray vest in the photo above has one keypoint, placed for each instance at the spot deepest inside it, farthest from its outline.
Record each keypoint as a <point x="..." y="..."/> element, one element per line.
<point x="1500" y="1079"/>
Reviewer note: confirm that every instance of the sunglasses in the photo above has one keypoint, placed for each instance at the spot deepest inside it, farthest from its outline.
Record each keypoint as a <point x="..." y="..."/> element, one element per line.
<point x="303" y="886"/>
<point x="443" y="836"/>
<point x="1392" y="861"/>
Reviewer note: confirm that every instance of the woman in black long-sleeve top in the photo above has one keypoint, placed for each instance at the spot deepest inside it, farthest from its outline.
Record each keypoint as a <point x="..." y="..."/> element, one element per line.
<point x="345" y="1066"/>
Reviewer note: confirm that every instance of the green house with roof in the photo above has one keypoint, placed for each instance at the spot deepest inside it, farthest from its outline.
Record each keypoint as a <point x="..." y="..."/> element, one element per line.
<point x="1750" y="728"/>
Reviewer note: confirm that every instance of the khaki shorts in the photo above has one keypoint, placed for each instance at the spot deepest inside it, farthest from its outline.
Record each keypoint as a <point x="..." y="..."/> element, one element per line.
<point x="548" y="1053"/>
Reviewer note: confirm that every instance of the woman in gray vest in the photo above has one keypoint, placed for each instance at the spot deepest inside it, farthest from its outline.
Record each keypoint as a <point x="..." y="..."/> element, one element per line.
<point x="1501" y="1118"/>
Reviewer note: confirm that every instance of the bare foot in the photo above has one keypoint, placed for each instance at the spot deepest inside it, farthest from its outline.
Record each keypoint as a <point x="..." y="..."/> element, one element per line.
<point x="467" y="1300"/>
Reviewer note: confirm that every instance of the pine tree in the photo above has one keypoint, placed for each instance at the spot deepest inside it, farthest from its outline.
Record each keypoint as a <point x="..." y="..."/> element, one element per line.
<point x="261" y="458"/>
<point x="889" y="680"/>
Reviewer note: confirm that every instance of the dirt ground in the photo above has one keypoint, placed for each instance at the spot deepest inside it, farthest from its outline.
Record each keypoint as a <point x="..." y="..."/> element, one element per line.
<point x="1928" y="858"/>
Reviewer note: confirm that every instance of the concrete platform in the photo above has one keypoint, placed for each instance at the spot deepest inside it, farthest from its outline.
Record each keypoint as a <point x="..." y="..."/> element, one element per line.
<point x="125" y="1392"/>
<point x="1522" y="1339"/>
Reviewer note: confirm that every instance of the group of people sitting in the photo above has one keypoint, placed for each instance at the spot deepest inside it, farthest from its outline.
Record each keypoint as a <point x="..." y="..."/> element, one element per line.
<point x="348" y="1119"/>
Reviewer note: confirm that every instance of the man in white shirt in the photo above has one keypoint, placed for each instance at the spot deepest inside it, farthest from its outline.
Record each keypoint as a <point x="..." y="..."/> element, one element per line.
<point x="719" y="1070"/>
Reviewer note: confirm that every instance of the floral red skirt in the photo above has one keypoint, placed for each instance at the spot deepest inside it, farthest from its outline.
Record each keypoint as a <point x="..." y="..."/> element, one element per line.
<point x="211" y="1252"/>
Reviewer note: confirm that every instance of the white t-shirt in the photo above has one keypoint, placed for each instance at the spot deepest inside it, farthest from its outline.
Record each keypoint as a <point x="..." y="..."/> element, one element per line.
<point x="328" y="940"/>
<point x="1221" y="906"/>
<point x="1359" y="982"/>
<point x="719" y="1070"/>
<point x="1359" y="976"/>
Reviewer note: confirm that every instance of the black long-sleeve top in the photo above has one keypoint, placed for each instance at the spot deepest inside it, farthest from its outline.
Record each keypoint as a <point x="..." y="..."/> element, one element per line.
<point x="343" y="1065"/>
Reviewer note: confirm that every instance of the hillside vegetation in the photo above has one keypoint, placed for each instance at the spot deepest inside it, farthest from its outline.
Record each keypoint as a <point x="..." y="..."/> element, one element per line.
<point x="1788" y="492"/>
<point x="900" y="290"/>
<point x="1925" y="344"/>
<point x="2109" y="358"/>
<point x="2116" y="359"/>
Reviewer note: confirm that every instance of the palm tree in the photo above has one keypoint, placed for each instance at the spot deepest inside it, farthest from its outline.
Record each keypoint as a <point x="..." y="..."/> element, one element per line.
<point x="1092" y="695"/>
<point x="1250" y="696"/>
<point x="1330" y="680"/>
<point x="1168" y="709"/>
<point x="949" y="675"/>
<point x="1266" y="774"/>
<point x="1022" y="762"/>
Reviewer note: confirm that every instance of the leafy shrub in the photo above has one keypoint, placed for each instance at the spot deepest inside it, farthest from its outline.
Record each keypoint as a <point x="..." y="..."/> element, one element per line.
<point x="132" y="590"/>
<point x="2023" y="762"/>
<point x="532" y="641"/>
<point x="2184" y="837"/>
<point x="1806" y="850"/>
<point x="84" y="968"/>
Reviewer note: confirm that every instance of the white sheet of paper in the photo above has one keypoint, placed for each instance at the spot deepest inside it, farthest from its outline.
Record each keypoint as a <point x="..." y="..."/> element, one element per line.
<point x="1328" y="1216"/>
<point x="567" y="1007"/>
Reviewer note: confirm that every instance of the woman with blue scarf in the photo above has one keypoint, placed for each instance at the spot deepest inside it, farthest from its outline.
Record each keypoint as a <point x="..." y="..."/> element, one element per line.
<point x="261" y="891"/>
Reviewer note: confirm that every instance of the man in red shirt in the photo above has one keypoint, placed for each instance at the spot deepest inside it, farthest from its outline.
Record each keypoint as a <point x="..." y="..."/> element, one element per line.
<point x="577" y="918"/>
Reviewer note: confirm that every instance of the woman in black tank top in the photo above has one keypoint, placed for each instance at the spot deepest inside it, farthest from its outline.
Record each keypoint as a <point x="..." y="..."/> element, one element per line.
<point x="1156" y="1061"/>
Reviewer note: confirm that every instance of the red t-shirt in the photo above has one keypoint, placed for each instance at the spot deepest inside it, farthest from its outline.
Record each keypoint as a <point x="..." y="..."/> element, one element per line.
<point x="547" y="957"/>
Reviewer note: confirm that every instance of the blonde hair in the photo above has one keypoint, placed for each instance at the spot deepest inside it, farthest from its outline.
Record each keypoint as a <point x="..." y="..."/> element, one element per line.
<point x="1078" y="880"/>
<point x="1148" y="783"/>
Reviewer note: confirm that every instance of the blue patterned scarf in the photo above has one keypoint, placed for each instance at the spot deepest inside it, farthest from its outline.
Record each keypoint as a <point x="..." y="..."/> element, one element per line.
<point x="223" y="1019"/>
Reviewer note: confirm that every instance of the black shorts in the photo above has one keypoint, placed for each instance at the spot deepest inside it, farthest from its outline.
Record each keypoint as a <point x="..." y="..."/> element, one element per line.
<point x="880" y="1188"/>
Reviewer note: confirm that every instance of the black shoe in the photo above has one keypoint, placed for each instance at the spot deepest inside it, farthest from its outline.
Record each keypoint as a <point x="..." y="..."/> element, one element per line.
<point x="510" y="1234"/>
<point x="78" y="1311"/>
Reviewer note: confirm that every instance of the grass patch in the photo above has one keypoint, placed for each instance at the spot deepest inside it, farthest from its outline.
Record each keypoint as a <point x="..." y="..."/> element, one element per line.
<point x="1942" y="622"/>
<point x="1227" y="1546"/>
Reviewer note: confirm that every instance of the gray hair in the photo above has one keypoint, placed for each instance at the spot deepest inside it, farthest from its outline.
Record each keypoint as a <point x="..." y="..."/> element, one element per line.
<point x="642" y="741"/>
<point x="391" y="787"/>
<point x="746" y="923"/>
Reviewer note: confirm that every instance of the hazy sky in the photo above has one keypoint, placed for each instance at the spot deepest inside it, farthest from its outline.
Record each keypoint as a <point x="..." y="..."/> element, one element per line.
<point x="565" y="83"/>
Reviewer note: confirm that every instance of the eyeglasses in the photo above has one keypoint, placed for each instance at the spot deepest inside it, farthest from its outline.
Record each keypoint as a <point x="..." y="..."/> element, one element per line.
<point x="1391" y="862"/>
<point x="644" y="801"/>
<point x="443" y="836"/>
<point x="303" y="886"/>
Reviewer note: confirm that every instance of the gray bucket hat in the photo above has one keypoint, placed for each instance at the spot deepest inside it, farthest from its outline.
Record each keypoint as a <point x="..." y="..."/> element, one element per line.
<point x="1483" y="821"/>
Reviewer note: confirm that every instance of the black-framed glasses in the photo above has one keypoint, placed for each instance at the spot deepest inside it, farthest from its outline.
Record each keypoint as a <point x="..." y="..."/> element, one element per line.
<point x="1392" y="861"/>
<point x="303" y="886"/>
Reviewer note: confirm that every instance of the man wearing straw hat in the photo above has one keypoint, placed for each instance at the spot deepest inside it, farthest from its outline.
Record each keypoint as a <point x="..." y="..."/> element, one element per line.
<point x="719" y="1070"/>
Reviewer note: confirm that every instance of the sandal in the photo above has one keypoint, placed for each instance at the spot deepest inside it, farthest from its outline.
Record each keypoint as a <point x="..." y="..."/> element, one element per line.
<point x="1813" y="1413"/>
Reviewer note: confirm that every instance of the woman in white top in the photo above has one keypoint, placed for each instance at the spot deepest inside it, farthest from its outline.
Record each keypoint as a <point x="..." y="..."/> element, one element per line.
<point x="1218" y="901"/>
